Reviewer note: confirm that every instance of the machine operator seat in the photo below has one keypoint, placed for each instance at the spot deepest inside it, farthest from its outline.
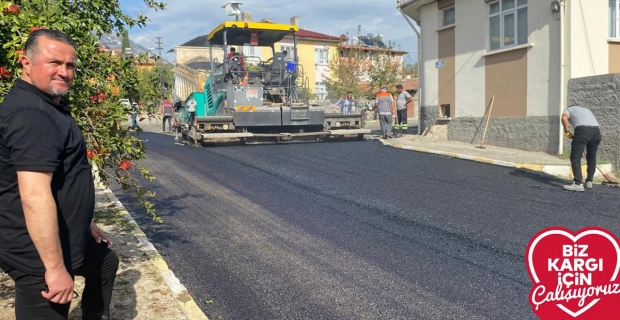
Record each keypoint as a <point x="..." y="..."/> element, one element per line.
<point x="278" y="69"/>
<point x="234" y="66"/>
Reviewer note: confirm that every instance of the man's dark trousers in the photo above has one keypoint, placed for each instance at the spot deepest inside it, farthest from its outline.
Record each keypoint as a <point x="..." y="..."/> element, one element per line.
<point x="585" y="139"/>
<point x="169" y="119"/>
<point x="99" y="271"/>
<point x="401" y="115"/>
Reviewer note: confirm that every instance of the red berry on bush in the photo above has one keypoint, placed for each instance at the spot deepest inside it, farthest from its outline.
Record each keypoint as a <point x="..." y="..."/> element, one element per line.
<point x="5" y="73"/>
<point x="12" y="9"/>
<point x="125" y="165"/>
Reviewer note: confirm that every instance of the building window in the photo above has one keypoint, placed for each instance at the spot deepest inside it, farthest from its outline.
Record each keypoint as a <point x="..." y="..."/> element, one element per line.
<point x="614" y="26"/>
<point x="448" y="16"/>
<point x="251" y="52"/>
<point x="320" y="90"/>
<point x="507" y="23"/>
<point x="321" y="56"/>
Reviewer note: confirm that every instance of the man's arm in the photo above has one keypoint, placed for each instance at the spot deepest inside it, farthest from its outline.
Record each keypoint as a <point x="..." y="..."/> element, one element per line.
<point x="42" y="223"/>
<point x="565" y="123"/>
<point x="338" y="102"/>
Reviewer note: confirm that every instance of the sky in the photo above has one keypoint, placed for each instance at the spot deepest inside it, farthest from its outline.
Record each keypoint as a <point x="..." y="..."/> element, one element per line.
<point x="184" y="20"/>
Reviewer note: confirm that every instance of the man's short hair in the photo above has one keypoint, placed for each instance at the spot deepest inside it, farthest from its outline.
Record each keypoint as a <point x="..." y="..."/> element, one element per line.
<point x="383" y="88"/>
<point x="400" y="86"/>
<point x="32" y="43"/>
<point x="349" y="92"/>
<point x="233" y="49"/>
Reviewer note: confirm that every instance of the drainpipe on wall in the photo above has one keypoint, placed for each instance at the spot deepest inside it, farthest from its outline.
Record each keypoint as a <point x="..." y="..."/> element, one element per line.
<point x="563" y="96"/>
<point x="420" y="64"/>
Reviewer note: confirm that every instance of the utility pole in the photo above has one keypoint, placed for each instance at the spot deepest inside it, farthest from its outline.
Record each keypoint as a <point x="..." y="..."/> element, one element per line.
<point x="160" y="65"/>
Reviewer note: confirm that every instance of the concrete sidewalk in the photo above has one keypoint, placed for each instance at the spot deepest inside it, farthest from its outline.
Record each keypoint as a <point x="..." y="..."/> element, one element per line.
<point x="144" y="289"/>
<point x="535" y="161"/>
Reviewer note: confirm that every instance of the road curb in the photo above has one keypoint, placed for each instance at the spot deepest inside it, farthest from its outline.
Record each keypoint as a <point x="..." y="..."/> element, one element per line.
<point x="185" y="300"/>
<point x="562" y="171"/>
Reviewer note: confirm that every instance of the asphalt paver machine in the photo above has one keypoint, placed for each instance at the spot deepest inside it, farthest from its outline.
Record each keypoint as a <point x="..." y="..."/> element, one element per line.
<point x="257" y="101"/>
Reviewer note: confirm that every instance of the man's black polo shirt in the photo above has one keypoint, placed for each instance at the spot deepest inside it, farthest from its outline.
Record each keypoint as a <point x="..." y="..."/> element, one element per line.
<point x="36" y="134"/>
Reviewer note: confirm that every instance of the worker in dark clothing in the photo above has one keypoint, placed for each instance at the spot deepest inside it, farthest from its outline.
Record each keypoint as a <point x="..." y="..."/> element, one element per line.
<point x="587" y="137"/>
<point x="47" y="196"/>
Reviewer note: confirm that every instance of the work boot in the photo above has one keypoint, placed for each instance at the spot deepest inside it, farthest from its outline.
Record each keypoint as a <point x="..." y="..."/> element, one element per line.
<point x="398" y="133"/>
<point x="574" y="187"/>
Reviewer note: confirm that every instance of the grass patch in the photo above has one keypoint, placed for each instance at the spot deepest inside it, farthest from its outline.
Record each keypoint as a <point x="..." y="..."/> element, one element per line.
<point x="113" y="217"/>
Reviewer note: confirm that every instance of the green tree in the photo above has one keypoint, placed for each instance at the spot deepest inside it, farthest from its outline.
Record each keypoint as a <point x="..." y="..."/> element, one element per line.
<point x="100" y="79"/>
<point x="346" y="69"/>
<point x="411" y="69"/>
<point x="149" y="83"/>
<point x="385" y="70"/>
<point x="125" y="43"/>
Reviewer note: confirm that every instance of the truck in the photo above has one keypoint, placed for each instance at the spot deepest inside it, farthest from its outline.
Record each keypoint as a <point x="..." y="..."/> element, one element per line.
<point x="260" y="101"/>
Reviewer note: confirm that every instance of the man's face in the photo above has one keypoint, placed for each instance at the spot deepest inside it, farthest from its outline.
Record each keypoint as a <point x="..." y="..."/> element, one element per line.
<point x="399" y="90"/>
<point x="350" y="96"/>
<point x="51" y="68"/>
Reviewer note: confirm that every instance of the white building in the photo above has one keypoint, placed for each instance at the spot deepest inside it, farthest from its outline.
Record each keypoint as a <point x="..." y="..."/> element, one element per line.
<point x="523" y="52"/>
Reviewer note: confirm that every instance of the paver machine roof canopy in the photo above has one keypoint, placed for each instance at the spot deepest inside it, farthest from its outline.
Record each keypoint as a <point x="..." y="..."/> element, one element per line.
<point x="235" y="33"/>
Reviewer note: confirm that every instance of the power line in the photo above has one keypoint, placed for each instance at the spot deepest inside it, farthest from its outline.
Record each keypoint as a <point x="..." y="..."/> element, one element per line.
<point x="159" y="61"/>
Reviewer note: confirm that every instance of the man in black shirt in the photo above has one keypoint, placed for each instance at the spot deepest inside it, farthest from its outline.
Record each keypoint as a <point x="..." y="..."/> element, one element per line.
<point x="47" y="192"/>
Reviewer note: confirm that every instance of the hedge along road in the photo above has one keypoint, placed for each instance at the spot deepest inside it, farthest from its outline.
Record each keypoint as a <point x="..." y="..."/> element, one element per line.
<point x="353" y="230"/>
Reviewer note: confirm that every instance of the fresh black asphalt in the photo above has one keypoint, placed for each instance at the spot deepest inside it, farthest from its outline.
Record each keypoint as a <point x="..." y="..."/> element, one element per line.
<point x="353" y="230"/>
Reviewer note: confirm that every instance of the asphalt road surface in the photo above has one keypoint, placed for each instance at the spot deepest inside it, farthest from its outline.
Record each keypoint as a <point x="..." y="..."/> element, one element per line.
<point x="353" y="230"/>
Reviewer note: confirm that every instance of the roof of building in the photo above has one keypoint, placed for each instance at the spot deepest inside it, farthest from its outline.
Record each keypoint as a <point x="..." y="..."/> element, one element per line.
<point x="303" y="33"/>
<point x="412" y="7"/>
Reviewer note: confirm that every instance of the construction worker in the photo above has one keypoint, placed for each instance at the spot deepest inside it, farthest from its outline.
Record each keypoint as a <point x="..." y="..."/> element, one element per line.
<point x="166" y="112"/>
<point x="383" y="105"/>
<point x="347" y="102"/>
<point x="233" y="53"/>
<point x="404" y="98"/>
<point x="587" y="137"/>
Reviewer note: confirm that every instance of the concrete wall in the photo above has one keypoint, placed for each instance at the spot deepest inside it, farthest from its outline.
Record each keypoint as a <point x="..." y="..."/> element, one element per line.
<point x="600" y="94"/>
<point x="305" y="49"/>
<point x="428" y="116"/>
<point x="470" y="46"/>
<point x="614" y="56"/>
<point x="429" y="26"/>
<point x="543" y="60"/>
<point x="587" y="33"/>
<point x="524" y="133"/>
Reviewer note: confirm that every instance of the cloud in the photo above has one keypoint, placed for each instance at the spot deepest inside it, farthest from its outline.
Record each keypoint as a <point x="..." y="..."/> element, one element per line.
<point x="184" y="20"/>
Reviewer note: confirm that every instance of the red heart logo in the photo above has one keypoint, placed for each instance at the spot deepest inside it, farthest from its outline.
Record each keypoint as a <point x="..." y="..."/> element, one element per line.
<point x="574" y="275"/>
